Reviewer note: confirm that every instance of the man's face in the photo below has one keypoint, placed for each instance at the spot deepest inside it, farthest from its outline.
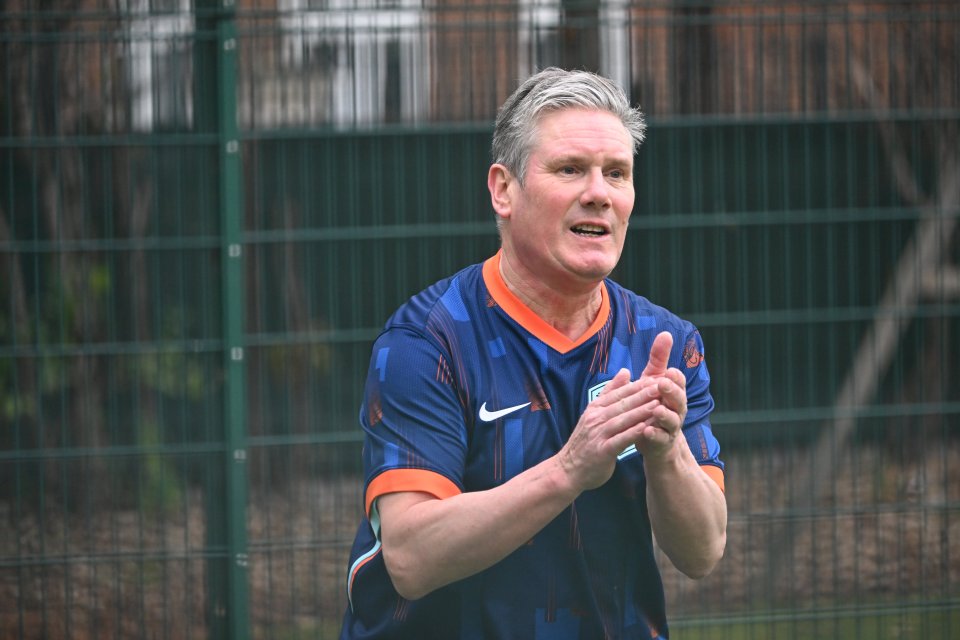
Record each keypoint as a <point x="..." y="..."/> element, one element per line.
<point x="566" y="225"/>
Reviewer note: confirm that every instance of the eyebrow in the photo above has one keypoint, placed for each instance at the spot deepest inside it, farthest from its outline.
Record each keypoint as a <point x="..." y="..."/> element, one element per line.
<point x="573" y="158"/>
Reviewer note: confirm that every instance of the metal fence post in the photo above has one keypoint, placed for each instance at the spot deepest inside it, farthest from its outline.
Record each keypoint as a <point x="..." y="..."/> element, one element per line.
<point x="233" y="310"/>
<point x="227" y="581"/>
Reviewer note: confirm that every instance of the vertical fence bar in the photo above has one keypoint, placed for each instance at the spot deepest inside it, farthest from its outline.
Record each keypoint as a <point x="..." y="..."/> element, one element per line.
<point x="227" y="588"/>
<point x="233" y="310"/>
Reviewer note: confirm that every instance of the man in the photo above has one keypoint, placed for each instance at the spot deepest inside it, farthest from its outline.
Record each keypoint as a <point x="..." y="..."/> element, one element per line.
<point x="529" y="423"/>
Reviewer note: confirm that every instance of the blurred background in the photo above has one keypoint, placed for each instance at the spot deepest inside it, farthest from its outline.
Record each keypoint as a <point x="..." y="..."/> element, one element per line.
<point x="208" y="208"/>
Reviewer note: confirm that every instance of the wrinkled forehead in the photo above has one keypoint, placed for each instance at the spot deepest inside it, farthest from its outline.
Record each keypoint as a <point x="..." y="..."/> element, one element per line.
<point x="585" y="124"/>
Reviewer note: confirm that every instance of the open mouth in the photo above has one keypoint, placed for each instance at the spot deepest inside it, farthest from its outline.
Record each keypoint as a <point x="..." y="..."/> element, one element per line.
<point x="589" y="230"/>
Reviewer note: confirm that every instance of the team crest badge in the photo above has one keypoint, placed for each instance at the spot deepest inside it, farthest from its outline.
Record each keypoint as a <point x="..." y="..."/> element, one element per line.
<point x="594" y="391"/>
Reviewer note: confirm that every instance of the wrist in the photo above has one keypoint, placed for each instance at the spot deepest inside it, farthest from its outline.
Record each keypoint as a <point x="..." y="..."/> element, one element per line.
<point x="562" y="477"/>
<point x="673" y="458"/>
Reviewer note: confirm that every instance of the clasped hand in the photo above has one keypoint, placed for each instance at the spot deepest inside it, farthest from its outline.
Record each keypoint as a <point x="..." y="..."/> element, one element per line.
<point x="647" y="412"/>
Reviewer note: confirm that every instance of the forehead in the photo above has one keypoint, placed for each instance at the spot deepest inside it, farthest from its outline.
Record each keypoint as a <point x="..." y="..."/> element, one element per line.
<point x="576" y="130"/>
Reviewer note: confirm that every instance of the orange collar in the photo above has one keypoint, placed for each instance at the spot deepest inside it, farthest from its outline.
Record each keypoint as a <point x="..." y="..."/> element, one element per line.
<point x="529" y="320"/>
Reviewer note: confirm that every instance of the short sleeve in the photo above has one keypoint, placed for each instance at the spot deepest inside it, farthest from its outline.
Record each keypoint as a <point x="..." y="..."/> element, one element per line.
<point x="415" y="434"/>
<point x="697" y="429"/>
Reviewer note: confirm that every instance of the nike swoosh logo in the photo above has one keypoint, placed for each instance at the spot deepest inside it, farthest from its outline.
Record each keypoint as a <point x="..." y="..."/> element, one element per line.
<point x="490" y="416"/>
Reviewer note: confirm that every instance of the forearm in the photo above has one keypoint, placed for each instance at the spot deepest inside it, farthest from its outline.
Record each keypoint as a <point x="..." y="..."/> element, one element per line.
<point x="430" y="543"/>
<point x="688" y="512"/>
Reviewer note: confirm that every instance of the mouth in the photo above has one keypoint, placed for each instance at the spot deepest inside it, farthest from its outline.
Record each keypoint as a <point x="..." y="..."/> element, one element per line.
<point x="589" y="230"/>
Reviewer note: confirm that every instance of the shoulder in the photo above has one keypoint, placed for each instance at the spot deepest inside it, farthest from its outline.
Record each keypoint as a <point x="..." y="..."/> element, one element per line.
<point x="435" y="315"/>
<point x="646" y="314"/>
<point x="452" y="296"/>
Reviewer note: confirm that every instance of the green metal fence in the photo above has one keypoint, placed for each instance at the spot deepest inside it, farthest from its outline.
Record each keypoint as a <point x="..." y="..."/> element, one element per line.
<point x="208" y="209"/>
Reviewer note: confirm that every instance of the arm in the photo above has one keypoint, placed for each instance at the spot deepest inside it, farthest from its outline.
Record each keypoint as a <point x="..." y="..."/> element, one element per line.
<point x="688" y="511"/>
<point x="428" y="542"/>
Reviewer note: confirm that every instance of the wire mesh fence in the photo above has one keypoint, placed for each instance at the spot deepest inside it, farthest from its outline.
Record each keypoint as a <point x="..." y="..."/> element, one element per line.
<point x="208" y="209"/>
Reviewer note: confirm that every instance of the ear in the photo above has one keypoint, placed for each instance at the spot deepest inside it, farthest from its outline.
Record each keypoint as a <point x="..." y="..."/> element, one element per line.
<point x="499" y="180"/>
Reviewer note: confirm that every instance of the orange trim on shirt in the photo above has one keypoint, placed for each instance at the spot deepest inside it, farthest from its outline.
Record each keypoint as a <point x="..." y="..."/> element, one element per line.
<point x="715" y="473"/>
<point x="423" y="480"/>
<point x="529" y="320"/>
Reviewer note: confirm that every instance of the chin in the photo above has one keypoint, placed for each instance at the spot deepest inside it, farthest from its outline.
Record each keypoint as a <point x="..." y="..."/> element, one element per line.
<point x="595" y="273"/>
<point x="600" y="266"/>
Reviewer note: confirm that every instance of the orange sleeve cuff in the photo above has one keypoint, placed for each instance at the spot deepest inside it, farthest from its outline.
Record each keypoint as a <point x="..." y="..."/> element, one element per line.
<point x="422" y="480"/>
<point x="715" y="473"/>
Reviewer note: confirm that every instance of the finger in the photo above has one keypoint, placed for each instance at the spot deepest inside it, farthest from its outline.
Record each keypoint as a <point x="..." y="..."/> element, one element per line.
<point x="665" y="420"/>
<point x="623" y="414"/>
<point x="653" y="439"/>
<point x="674" y="392"/>
<point x="620" y="380"/>
<point x="623" y="439"/>
<point x="677" y="377"/>
<point x="668" y="420"/>
<point x="673" y="397"/>
<point x="659" y="354"/>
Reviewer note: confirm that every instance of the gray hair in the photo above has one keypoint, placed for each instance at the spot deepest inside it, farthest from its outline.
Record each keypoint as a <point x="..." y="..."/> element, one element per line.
<point x="549" y="90"/>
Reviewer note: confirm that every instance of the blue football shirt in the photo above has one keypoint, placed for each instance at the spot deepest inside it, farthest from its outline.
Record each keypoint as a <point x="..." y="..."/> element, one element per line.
<point x="467" y="388"/>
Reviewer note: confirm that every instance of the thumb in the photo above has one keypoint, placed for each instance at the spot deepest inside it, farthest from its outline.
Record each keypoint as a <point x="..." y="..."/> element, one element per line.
<point x="659" y="354"/>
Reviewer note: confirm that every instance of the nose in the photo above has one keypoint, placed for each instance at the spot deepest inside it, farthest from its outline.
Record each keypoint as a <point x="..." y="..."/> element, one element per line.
<point x="596" y="192"/>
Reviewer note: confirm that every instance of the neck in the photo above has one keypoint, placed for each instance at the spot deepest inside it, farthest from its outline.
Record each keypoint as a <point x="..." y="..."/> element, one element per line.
<point x="571" y="311"/>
